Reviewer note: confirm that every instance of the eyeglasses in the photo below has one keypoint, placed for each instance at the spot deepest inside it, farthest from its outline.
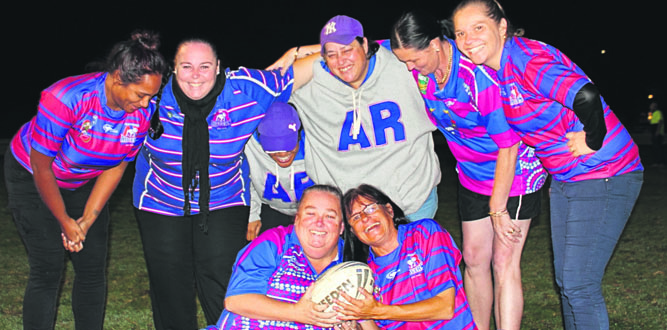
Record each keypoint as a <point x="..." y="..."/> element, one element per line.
<point x="367" y="210"/>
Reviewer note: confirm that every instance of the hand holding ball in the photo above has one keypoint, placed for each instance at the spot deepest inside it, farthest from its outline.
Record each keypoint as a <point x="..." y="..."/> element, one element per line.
<point x="345" y="277"/>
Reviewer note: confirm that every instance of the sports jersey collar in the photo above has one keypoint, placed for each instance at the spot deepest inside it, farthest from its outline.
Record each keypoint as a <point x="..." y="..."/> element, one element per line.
<point x="505" y="56"/>
<point x="449" y="90"/>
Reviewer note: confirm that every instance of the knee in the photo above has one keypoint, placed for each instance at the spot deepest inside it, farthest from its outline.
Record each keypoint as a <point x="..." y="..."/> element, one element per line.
<point x="504" y="260"/>
<point x="476" y="258"/>
<point x="47" y="273"/>
<point x="581" y="292"/>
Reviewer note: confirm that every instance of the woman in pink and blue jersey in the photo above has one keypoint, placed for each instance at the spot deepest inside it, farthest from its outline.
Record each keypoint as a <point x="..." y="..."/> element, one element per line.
<point x="269" y="288"/>
<point x="191" y="187"/>
<point x="463" y="100"/>
<point x="415" y="266"/>
<point x="64" y="164"/>
<point x="597" y="173"/>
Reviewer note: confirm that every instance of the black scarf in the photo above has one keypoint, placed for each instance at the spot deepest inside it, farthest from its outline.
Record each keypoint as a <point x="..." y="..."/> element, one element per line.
<point x="195" y="145"/>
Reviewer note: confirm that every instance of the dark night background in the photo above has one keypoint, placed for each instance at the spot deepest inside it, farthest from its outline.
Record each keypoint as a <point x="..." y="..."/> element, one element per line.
<point x="44" y="43"/>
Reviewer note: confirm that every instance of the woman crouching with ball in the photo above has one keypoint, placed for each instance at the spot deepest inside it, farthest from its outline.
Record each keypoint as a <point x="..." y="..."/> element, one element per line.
<point x="270" y="287"/>
<point x="416" y="268"/>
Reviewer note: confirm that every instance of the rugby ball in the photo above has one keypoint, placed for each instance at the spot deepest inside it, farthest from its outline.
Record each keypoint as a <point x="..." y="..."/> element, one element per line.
<point x="345" y="277"/>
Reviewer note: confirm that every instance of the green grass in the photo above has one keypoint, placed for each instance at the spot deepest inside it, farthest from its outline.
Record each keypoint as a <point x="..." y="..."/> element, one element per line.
<point x="635" y="285"/>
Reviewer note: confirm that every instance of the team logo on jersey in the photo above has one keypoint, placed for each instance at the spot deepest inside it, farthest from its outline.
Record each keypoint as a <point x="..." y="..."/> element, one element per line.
<point x="515" y="95"/>
<point x="414" y="264"/>
<point x="422" y="82"/>
<point x="129" y="135"/>
<point x="84" y="133"/>
<point x="222" y="120"/>
<point x="109" y="128"/>
<point x="390" y="276"/>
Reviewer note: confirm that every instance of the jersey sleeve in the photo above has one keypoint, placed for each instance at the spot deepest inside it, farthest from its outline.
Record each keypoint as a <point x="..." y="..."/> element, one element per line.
<point x="553" y="78"/>
<point x="54" y="119"/>
<point x="254" y="266"/>
<point x="442" y="259"/>
<point x="265" y="87"/>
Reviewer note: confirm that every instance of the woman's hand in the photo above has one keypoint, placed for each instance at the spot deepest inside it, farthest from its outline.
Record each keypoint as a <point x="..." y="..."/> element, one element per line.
<point x="357" y="309"/>
<point x="73" y="236"/>
<point x="308" y="312"/>
<point x="253" y="230"/>
<point x="291" y="55"/>
<point x="284" y="62"/>
<point x="577" y="144"/>
<point x="505" y="229"/>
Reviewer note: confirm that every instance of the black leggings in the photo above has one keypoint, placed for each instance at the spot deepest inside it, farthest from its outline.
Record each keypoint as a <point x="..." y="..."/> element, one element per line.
<point x="183" y="261"/>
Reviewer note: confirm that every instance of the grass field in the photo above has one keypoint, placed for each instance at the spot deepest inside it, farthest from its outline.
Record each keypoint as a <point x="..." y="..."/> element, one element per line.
<point x="635" y="284"/>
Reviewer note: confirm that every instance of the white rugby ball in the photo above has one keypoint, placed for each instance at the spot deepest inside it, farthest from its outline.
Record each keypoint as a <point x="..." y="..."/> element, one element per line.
<point x="345" y="277"/>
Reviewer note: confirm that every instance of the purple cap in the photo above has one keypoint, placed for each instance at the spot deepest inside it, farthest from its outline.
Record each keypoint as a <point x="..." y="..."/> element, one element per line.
<point x="279" y="129"/>
<point x="342" y="30"/>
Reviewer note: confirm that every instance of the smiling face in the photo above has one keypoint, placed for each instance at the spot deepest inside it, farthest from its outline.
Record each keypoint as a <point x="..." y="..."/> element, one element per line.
<point x="284" y="158"/>
<point x="196" y="68"/>
<point x="133" y="96"/>
<point x="376" y="229"/>
<point x="347" y="62"/>
<point x="478" y="36"/>
<point x="318" y="225"/>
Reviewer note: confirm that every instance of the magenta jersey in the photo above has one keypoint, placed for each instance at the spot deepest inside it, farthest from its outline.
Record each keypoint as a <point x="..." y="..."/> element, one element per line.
<point x="468" y="111"/>
<point x="75" y="126"/>
<point x="273" y="265"/>
<point x="538" y="87"/>
<point x="425" y="264"/>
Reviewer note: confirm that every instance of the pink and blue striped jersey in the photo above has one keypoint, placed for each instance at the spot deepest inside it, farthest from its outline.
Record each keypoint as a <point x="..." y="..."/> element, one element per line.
<point x="538" y="87"/>
<point x="425" y="264"/>
<point x="273" y="265"/>
<point x="240" y="107"/>
<point x="469" y="113"/>
<point x="75" y="126"/>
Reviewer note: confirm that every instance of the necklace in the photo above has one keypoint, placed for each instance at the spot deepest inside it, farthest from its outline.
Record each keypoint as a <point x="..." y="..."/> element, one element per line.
<point x="445" y="76"/>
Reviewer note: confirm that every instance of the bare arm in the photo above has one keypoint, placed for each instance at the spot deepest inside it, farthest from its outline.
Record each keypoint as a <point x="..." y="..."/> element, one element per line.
<point x="104" y="186"/>
<point x="505" y="229"/>
<point x="302" y="61"/>
<point x="303" y="70"/>
<point x="47" y="186"/>
<point x="261" y="307"/>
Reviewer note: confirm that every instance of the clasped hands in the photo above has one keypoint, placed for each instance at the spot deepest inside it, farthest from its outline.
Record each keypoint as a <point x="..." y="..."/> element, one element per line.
<point x="73" y="234"/>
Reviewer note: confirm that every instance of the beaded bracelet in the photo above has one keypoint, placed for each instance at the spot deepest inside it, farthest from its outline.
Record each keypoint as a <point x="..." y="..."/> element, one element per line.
<point x="499" y="213"/>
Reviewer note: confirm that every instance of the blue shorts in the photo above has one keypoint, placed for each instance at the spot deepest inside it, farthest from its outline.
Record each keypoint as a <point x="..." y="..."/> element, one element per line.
<point x="428" y="209"/>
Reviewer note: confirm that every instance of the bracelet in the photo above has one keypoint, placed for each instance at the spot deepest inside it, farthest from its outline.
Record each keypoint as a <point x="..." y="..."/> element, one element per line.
<point x="499" y="213"/>
<point x="296" y="53"/>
